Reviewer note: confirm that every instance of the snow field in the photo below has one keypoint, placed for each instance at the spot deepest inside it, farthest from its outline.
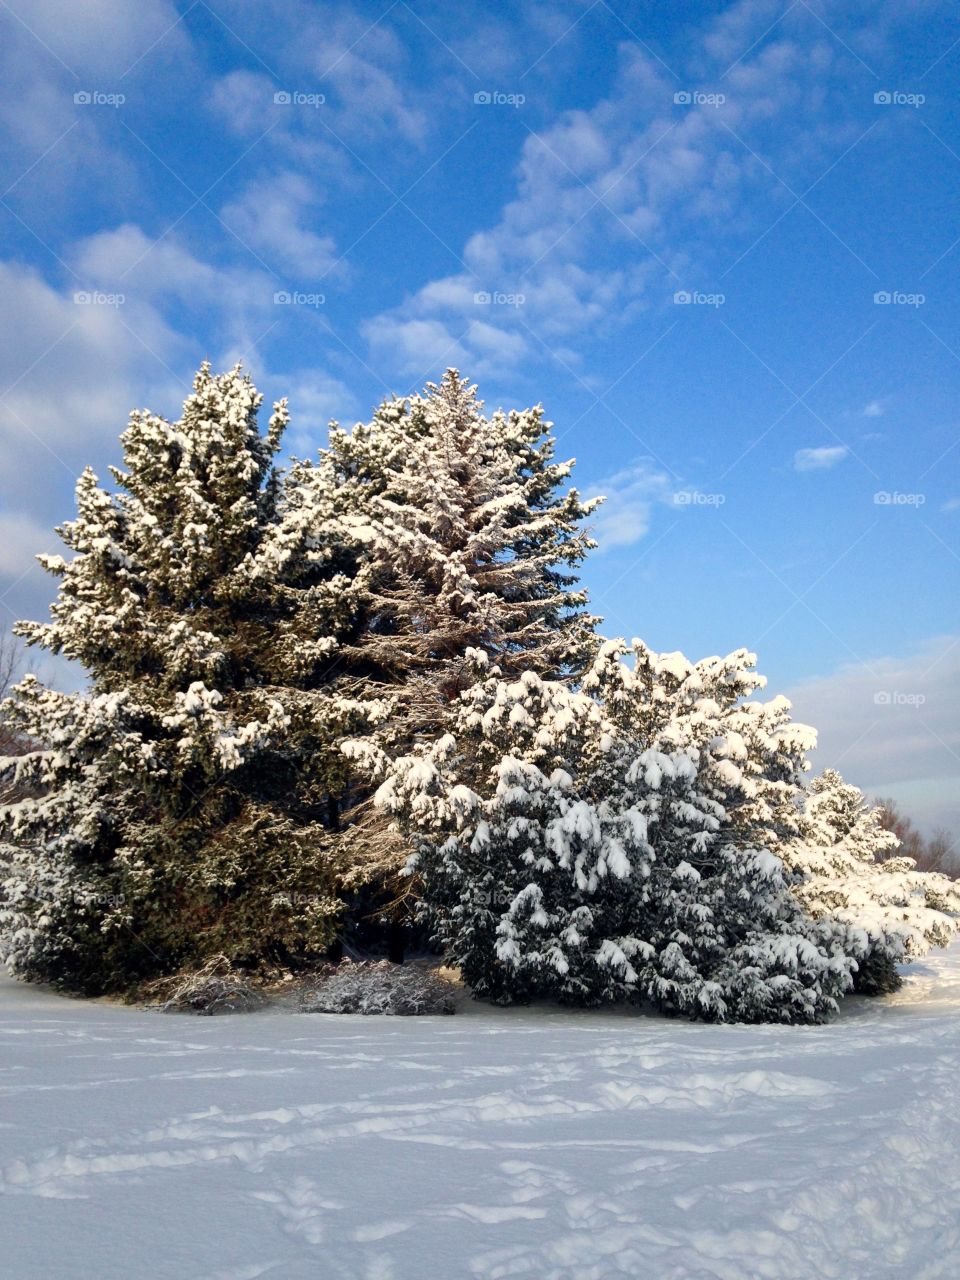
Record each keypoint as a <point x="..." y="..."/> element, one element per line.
<point x="522" y="1143"/>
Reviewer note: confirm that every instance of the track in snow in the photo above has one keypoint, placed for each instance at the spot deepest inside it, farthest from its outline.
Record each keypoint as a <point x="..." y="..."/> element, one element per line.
<point x="531" y="1144"/>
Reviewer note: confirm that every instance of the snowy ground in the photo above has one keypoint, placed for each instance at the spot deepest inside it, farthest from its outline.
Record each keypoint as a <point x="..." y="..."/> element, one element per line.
<point x="527" y="1144"/>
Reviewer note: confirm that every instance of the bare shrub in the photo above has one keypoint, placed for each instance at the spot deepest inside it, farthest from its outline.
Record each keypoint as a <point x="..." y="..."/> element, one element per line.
<point x="216" y="988"/>
<point x="379" y="987"/>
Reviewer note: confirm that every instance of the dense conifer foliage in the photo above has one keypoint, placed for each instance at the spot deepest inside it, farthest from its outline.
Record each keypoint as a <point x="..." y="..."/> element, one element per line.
<point x="182" y="797"/>
<point x="372" y="683"/>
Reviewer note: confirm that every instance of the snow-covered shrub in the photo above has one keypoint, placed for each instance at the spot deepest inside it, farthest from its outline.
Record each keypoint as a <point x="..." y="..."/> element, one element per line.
<point x="379" y="987"/>
<point x="848" y="868"/>
<point x="215" y="988"/>
<point x="619" y="840"/>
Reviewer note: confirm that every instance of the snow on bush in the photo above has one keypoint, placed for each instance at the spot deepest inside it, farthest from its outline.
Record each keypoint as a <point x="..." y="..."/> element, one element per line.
<point x="216" y="988"/>
<point x="619" y="841"/>
<point x="849" y="870"/>
<point x="379" y="987"/>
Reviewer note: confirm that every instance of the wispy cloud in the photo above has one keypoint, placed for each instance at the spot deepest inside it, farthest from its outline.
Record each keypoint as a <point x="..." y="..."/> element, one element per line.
<point x="819" y="459"/>
<point x="630" y="497"/>
<point x="618" y="205"/>
<point x="273" y="217"/>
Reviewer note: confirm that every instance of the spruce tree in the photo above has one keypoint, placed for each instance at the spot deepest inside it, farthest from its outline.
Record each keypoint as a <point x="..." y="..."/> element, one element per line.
<point x="470" y="541"/>
<point x="183" y="804"/>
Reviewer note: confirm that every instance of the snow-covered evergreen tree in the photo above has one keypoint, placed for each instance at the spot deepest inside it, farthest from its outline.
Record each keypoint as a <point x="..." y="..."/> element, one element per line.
<point x="471" y="541"/>
<point x="183" y="798"/>
<point x="719" y="772"/>
<point x="616" y="840"/>
<point x="849" y="871"/>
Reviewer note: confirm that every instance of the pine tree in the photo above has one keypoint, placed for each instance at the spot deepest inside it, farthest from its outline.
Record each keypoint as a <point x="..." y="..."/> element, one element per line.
<point x="850" y="873"/>
<point x="470" y="542"/>
<point x="617" y="840"/>
<point x="183" y="798"/>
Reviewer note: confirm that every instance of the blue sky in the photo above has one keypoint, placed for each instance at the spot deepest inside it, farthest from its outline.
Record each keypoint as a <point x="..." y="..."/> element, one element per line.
<point x="529" y="192"/>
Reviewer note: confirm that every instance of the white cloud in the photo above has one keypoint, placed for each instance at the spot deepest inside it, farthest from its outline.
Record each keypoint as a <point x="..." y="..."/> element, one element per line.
<point x="164" y="278"/>
<point x="105" y="37"/>
<point x="58" y="156"/>
<point x="21" y="538"/>
<point x="873" y="410"/>
<point x="820" y="459"/>
<point x="151" y="271"/>
<point x="893" y="727"/>
<point x="70" y="373"/>
<point x="365" y="66"/>
<point x="316" y="399"/>
<point x="631" y="495"/>
<point x="734" y="29"/>
<point x="359" y="68"/>
<point x="421" y="348"/>
<point x="618" y="205"/>
<point x="271" y="217"/>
